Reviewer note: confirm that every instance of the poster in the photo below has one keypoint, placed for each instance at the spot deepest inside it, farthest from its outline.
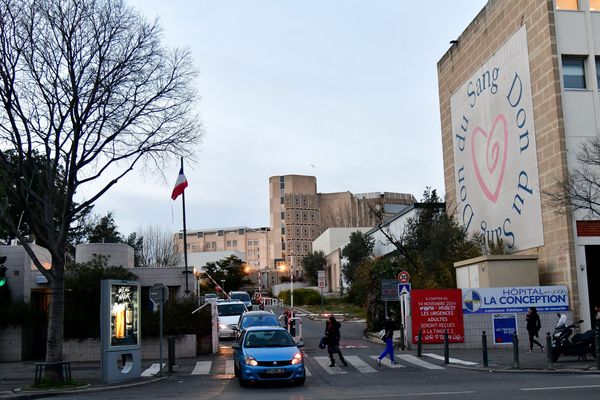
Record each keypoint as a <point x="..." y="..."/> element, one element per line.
<point x="505" y="325"/>
<point x="435" y="311"/>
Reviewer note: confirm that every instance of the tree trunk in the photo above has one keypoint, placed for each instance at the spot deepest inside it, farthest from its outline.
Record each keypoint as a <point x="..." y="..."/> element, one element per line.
<point x="54" y="345"/>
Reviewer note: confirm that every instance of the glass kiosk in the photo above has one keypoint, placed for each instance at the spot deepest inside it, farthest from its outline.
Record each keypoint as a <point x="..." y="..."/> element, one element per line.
<point x="120" y="330"/>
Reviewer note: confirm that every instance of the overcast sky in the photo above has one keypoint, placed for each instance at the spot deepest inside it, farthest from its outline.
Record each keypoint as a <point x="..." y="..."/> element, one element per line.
<point x="342" y="90"/>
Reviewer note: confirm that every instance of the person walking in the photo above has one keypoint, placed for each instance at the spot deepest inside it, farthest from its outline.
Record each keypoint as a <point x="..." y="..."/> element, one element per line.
<point x="597" y="316"/>
<point x="533" y="327"/>
<point x="388" y="326"/>
<point x="332" y="340"/>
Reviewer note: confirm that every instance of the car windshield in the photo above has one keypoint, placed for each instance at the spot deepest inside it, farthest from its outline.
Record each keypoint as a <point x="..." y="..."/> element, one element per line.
<point x="226" y="310"/>
<point x="259" y="320"/>
<point x="241" y="296"/>
<point x="268" y="339"/>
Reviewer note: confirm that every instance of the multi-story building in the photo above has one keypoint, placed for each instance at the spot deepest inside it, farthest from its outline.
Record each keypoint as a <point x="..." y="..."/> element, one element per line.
<point x="518" y="96"/>
<point x="299" y="214"/>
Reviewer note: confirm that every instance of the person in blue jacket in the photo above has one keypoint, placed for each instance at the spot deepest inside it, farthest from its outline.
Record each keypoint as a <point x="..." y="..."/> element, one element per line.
<point x="388" y="338"/>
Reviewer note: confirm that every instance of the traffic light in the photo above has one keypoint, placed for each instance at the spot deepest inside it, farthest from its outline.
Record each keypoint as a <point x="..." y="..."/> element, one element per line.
<point x="2" y="271"/>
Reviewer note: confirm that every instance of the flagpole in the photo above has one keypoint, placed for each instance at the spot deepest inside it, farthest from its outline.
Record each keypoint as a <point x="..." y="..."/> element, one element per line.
<point x="185" y="260"/>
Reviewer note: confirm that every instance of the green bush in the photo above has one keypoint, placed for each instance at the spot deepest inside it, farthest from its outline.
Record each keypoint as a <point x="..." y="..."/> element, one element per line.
<point x="302" y="297"/>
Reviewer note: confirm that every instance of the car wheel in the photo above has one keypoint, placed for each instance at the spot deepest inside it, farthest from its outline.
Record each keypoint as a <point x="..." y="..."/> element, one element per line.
<point x="300" y="381"/>
<point x="236" y="370"/>
<point x="243" y="382"/>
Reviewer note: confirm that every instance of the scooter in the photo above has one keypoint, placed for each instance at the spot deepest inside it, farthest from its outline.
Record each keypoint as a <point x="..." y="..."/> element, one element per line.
<point x="579" y="345"/>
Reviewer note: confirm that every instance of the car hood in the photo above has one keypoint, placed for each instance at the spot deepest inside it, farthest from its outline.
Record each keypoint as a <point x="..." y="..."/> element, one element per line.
<point x="229" y="320"/>
<point x="272" y="353"/>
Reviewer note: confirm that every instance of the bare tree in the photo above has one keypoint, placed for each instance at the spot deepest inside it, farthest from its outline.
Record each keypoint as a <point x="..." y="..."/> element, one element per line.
<point x="158" y="248"/>
<point x="580" y="189"/>
<point x="88" y="87"/>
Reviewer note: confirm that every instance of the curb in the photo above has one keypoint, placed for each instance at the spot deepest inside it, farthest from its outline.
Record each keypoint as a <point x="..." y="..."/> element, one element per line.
<point x="513" y="370"/>
<point x="19" y="393"/>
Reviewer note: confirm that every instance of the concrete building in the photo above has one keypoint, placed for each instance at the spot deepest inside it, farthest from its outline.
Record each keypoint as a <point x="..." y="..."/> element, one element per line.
<point x="331" y="242"/>
<point x="117" y="254"/>
<point x="518" y="96"/>
<point x="299" y="214"/>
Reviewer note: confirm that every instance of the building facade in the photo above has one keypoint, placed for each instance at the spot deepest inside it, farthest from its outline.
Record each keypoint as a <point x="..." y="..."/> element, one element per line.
<point x="518" y="96"/>
<point x="299" y="214"/>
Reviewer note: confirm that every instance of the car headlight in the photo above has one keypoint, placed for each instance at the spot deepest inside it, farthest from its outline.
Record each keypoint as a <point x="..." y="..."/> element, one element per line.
<point x="297" y="359"/>
<point x="249" y="360"/>
<point x="222" y="326"/>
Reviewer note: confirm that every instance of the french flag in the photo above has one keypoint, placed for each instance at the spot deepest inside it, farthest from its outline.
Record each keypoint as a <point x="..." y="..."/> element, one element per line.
<point x="180" y="185"/>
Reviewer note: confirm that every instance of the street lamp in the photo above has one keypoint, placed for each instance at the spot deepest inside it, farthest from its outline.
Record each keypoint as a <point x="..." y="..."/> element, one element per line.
<point x="197" y="273"/>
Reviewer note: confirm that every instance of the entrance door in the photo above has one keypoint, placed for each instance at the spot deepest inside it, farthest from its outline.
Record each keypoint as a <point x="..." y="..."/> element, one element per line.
<point x="592" y="261"/>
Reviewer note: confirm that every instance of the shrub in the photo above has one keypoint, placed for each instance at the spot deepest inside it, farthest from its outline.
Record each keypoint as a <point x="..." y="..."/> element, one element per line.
<point x="302" y="296"/>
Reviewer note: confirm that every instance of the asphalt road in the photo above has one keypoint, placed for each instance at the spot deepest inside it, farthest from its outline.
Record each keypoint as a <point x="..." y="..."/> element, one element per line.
<point x="363" y="379"/>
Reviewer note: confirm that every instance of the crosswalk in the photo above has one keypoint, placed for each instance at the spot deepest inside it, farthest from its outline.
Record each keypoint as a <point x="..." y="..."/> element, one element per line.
<point x="356" y="364"/>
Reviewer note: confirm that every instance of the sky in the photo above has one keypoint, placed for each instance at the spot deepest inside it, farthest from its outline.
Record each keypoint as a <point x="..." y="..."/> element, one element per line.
<point x="343" y="90"/>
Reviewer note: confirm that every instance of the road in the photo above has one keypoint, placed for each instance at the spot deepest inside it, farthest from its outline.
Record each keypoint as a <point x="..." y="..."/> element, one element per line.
<point x="412" y="379"/>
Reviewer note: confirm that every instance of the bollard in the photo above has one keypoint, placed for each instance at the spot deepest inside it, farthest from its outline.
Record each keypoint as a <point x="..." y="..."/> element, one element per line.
<point x="171" y="353"/>
<point x="446" y="349"/>
<point x="515" y="350"/>
<point x="598" y="348"/>
<point x="484" y="348"/>
<point x="549" y="351"/>
<point x="419" y="343"/>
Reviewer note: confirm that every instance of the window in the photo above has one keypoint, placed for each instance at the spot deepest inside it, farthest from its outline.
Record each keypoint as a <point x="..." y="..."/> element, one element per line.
<point x="234" y="243"/>
<point x="283" y="215"/>
<point x="283" y="246"/>
<point x="194" y="245"/>
<point x="255" y="242"/>
<point x="283" y="230"/>
<point x="214" y="245"/>
<point x="598" y="69"/>
<point x="567" y="5"/>
<point x="200" y="234"/>
<point x="229" y="243"/>
<point x="241" y="231"/>
<point x="220" y="233"/>
<point x="281" y="200"/>
<point x="282" y="179"/>
<point x="573" y="72"/>
<point x="594" y="5"/>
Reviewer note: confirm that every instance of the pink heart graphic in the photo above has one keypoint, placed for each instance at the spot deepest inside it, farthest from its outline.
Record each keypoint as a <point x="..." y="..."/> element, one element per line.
<point x="495" y="149"/>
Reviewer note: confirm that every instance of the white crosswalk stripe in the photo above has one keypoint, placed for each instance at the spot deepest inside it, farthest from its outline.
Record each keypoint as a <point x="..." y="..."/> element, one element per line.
<point x="359" y="364"/>
<point x="229" y="367"/>
<point x="452" y="360"/>
<point x="307" y="371"/>
<point x="387" y="362"/>
<point x="202" y="368"/>
<point x="418" y="362"/>
<point x="324" y="362"/>
<point x="154" y="369"/>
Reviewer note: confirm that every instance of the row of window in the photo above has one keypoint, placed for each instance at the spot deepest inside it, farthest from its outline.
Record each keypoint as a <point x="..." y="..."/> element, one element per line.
<point x="574" y="72"/>
<point x="573" y="5"/>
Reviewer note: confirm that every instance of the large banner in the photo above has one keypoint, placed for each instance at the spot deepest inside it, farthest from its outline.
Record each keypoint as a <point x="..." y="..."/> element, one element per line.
<point x="435" y="311"/>
<point x="514" y="299"/>
<point x="495" y="160"/>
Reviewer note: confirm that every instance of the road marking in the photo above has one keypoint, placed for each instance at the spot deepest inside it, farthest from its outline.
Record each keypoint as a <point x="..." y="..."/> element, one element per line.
<point x="153" y="370"/>
<point x="229" y="367"/>
<point x="324" y="362"/>
<point x="417" y="361"/>
<point x="306" y="371"/>
<point x="202" y="368"/>
<point x="452" y="360"/>
<point x="359" y="364"/>
<point x="388" y="363"/>
<point x="562" y="387"/>
<point x="396" y="395"/>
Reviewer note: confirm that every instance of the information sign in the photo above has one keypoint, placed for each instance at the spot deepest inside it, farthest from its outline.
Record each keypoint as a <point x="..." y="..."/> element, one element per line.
<point x="435" y="311"/>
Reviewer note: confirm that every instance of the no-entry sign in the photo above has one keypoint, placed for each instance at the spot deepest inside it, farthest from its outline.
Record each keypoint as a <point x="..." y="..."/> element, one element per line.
<point x="403" y="277"/>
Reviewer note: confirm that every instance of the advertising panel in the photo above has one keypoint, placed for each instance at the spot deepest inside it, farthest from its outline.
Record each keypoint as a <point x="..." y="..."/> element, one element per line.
<point x="514" y="299"/>
<point x="435" y="311"/>
<point x="124" y="315"/>
<point x="389" y="290"/>
<point x="504" y="327"/>
<point x="495" y="155"/>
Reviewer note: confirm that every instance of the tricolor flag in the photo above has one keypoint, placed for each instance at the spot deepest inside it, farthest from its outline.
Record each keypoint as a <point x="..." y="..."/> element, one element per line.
<point x="180" y="185"/>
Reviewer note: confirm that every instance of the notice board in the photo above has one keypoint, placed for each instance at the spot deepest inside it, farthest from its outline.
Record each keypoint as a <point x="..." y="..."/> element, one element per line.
<point x="435" y="311"/>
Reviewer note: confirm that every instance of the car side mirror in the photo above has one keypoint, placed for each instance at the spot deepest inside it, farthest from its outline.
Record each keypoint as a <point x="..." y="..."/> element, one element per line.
<point x="236" y="346"/>
<point x="235" y="328"/>
<point x="299" y="344"/>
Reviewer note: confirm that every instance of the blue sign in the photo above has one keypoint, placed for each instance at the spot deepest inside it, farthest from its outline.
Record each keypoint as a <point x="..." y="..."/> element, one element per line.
<point x="403" y="288"/>
<point x="515" y="299"/>
<point x="504" y="327"/>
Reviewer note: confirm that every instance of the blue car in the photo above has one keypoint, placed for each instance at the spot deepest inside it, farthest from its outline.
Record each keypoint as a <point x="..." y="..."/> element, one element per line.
<point x="268" y="354"/>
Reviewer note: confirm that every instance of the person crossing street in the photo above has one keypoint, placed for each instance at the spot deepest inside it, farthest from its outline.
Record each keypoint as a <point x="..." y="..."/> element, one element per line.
<point x="388" y="326"/>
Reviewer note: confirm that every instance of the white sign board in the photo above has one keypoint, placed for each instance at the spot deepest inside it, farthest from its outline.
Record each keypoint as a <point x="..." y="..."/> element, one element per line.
<point x="515" y="299"/>
<point x="321" y="278"/>
<point x="495" y="160"/>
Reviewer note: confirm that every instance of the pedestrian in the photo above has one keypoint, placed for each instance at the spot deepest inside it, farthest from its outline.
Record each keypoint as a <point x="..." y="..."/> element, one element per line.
<point x="533" y="328"/>
<point x="388" y="327"/>
<point x="597" y="310"/>
<point x="332" y="339"/>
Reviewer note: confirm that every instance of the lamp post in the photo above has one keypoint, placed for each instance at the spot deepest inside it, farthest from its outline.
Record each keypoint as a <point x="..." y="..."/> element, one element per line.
<point x="197" y="273"/>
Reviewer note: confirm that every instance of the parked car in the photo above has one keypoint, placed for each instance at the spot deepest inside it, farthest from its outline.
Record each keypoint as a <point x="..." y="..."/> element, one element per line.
<point x="229" y="314"/>
<point x="244" y="297"/>
<point x="210" y="296"/>
<point x="256" y="318"/>
<point x="265" y="354"/>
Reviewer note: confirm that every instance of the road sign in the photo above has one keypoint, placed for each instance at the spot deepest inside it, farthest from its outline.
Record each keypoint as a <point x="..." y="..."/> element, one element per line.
<point x="403" y="277"/>
<point x="321" y="278"/>
<point x="155" y="293"/>
<point x="389" y="290"/>
<point x="403" y="288"/>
